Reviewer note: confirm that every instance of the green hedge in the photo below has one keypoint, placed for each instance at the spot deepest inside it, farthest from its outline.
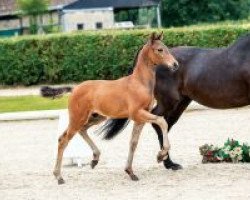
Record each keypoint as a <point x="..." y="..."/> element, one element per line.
<point x="77" y="57"/>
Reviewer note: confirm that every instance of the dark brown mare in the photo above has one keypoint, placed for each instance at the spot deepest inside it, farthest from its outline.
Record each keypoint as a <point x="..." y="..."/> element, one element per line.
<point x="128" y="97"/>
<point x="218" y="78"/>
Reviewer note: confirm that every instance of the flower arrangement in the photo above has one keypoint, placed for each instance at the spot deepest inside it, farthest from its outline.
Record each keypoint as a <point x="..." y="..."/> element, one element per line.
<point x="232" y="151"/>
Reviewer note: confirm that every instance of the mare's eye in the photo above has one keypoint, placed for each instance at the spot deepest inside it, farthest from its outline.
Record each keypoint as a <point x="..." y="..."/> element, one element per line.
<point x="160" y="50"/>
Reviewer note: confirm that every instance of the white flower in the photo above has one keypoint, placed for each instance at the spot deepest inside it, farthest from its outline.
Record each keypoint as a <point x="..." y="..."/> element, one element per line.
<point x="214" y="148"/>
<point x="238" y="150"/>
<point x="239" y="157"/>
<point x="232" y="154"/>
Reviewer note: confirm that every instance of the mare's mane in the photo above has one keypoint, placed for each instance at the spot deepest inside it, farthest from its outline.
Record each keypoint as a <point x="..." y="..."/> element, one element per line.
<point x="243" y="41"/>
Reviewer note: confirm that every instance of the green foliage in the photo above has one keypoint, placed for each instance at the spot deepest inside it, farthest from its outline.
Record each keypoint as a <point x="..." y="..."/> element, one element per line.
<point x="185" y="12"/>
<point x="82" y="56"/>
<point x="127" y="15"/>
<point x="33" y="7"/>
<point x="141" y="16"/>
<point x="232" y="151"/>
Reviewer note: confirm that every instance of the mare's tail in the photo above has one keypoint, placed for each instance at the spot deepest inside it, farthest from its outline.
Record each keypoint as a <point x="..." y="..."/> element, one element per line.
<point x="47" y="91"/>
<point x="113" y="127"/>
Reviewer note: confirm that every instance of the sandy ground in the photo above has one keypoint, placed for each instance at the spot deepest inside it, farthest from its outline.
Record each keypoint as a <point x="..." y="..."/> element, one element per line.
<point x="27" y="158"/>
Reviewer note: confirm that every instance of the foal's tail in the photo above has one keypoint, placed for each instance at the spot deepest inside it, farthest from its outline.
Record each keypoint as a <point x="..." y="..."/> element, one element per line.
<point x="47" y="91"/>
<point x="113" y="127"/>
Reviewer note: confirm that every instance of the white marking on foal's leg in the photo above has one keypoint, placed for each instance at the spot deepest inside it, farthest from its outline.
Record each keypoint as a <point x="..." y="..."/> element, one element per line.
<point x="132" y="147"/>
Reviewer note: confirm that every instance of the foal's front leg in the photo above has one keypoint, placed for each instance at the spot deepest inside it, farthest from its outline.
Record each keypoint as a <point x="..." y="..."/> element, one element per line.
<point x="132" y="147"/>
<point x="146" y="116"/>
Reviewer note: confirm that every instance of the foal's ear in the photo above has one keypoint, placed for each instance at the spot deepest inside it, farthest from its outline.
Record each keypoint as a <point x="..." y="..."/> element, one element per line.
<point x="152" y="37"/>
<point x="160" y="36"/>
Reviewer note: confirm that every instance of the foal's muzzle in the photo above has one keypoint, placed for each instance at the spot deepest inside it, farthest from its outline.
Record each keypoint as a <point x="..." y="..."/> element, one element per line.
<point x="175" y="66"/>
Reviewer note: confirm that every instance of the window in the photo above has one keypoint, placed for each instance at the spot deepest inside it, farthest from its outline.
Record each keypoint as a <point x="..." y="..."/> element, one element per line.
<point x="98" y="25"/>
<point x="80" y="26"/>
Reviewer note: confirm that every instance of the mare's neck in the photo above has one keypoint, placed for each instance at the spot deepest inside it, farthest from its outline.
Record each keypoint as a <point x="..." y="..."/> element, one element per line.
<point x="144" y="71"/>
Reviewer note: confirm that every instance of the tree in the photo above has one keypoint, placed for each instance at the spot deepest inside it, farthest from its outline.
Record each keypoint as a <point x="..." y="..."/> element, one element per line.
<point x="185" y="12"/>
<point x="34" y="9"/>
<point x="139" y="16"/>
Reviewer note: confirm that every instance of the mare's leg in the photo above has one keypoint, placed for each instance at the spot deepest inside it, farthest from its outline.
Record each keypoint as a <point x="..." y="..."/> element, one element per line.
<point x="175" y="114"/>
<point x="93" y="120"/>
<point x="132" y="147"/>
<point x="172" y="117"/>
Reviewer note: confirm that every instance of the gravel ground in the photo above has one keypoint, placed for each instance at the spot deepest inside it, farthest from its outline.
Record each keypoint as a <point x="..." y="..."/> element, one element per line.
<point x="27" y="158"/>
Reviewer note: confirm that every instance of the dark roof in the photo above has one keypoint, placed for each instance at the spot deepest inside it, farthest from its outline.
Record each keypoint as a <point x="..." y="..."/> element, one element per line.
<point x="117" y="4"/>
<point x="9" y="7"/>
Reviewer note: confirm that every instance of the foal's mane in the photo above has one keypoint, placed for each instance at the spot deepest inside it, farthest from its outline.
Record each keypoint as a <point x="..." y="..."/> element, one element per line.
<point x="130" y="70"/>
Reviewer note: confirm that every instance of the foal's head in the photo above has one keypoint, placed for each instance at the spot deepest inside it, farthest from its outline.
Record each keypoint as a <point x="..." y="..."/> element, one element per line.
<point x="157" y="53"/>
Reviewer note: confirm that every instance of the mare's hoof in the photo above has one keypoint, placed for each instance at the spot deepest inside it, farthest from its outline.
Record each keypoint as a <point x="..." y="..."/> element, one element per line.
<point x="94" y="163"/>
<point x="61" y="181"/>
<point x="176" y="166"/>
<point x="161" y="157"/>
<point x="134" y="177"/>
<point x="171" y="165"/>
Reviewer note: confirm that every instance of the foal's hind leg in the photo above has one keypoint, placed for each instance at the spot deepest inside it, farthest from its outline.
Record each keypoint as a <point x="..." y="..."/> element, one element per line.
<point x="96" y="151"/>
<point x="74" y="126"/>
<point x="62" y="144"/>
<point x="94" y="120"/>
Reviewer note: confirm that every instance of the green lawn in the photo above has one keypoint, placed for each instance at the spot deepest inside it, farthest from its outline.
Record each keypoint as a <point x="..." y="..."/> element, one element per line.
<point x="31" y="103"/>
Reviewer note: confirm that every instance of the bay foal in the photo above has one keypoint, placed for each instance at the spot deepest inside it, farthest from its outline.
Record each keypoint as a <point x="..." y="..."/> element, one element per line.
<point x="128" y="97"/>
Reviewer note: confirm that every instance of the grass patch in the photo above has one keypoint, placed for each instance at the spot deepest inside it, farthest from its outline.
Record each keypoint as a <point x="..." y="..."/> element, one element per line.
<point x="31" y="103"/>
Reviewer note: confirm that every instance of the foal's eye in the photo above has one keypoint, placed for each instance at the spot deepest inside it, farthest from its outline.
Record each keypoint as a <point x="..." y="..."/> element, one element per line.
<point x="160" y="50"/>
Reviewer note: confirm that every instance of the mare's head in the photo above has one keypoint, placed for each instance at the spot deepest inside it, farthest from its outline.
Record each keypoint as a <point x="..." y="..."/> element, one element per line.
<point x="157" y="53"/>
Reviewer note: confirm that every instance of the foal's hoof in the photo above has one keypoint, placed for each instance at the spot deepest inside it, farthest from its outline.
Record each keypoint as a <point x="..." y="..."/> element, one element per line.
<point x="169" y="164"/>
<point x="161" y="157"/>
<point x="94" y="163"/>
<point x="61" y="181"/>
<point x="134" y="177"/>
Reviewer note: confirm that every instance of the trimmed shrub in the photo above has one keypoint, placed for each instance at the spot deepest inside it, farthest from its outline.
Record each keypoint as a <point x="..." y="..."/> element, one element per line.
<point x="65" y="58"/>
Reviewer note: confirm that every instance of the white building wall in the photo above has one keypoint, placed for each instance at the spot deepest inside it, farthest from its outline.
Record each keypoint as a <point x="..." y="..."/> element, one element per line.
<point x="89" y="18"/>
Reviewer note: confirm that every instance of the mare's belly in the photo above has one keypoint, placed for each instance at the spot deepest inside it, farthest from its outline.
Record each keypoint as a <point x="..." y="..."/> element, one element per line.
<point x="224" y="103"/>
<point x="223" y="95"/>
